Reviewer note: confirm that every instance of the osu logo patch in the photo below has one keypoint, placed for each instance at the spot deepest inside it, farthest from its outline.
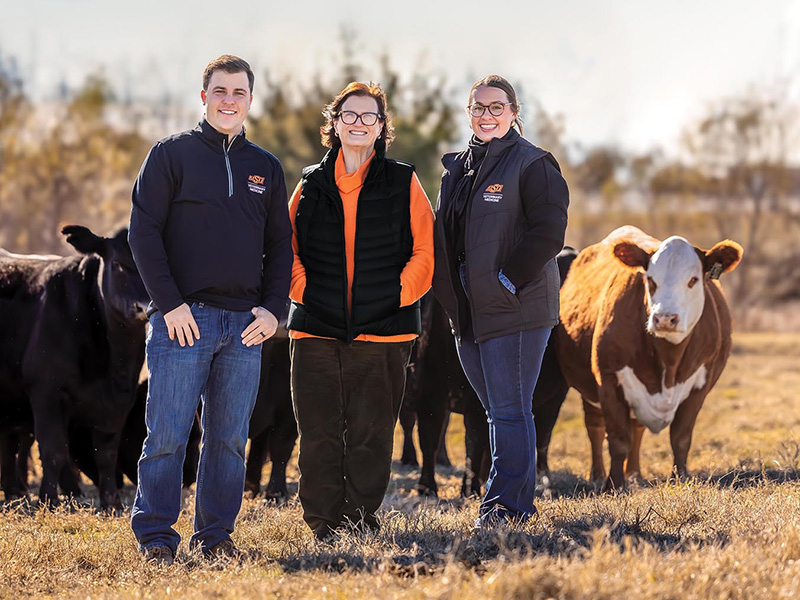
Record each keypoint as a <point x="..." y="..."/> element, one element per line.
<point x="493" y="193"/>
<point x="256" y="184"/>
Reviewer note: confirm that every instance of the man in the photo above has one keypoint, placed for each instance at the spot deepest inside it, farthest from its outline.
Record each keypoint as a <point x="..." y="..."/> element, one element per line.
<point x="211" y="236"/>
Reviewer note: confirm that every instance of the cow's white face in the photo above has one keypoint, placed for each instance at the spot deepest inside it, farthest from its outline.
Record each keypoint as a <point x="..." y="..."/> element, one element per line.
<point x="674" y="279"/>
<point x="675" y="294"/>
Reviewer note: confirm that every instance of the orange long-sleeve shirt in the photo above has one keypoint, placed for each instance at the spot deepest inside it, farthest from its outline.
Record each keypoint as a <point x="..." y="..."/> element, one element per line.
<point x="415" y="279"/>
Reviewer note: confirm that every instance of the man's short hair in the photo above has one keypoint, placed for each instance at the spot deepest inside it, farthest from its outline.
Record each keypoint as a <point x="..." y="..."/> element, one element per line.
<point x="230" y="64"/>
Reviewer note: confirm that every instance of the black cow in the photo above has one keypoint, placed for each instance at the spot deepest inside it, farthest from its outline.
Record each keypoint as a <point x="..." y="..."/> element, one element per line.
<point x="15" y="447"/>
<point x="130" y="447"/>
<point x="71" y="349"/>
<point x="273" y="429"/>
<point x="436" y="384"/>
<point x="15" y="454"/>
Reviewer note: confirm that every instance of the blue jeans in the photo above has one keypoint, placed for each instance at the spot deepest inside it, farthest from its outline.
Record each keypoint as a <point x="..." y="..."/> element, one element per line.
<point x="503" y="371"/>
<point x="225" y="373"/>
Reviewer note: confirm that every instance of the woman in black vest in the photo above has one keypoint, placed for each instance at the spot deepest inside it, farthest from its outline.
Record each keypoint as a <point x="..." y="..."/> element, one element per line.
<point x="500" y="222"/>
<point x="363" y="244"/>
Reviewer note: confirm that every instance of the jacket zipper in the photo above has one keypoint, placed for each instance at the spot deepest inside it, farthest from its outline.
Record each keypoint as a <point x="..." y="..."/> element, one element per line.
<point x="466" y="236"/>
<point x="348" y="312"/>
<point x="225" y="149"/>
<point x="452" y="288"/>
<point x="348" y="317"/>
<point x="450" y="278"/>
<point x="348" y="320"/>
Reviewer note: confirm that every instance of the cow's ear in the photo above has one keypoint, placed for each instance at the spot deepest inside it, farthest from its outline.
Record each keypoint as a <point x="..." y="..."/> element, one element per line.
<point x="632" y="255"/>
<point x="83" y="240"/>
<point x="726" y="253"/>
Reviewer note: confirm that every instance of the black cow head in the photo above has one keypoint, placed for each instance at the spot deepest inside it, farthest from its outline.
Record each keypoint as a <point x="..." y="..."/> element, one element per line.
<point x="123" y="291"/>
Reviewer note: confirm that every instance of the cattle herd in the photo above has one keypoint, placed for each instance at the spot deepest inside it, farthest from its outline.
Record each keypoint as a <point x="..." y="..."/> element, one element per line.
<point x="645" y="333"/>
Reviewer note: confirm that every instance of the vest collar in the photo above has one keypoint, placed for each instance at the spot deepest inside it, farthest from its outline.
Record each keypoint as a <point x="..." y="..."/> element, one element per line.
<point x="499" y="145"/>
<point x="496" y="147"/>
<point x="348" y="182"/>
<point x="325" y="173"/>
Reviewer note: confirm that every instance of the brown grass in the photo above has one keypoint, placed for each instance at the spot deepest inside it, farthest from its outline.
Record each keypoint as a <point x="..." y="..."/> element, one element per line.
<point x="731" y="532"/>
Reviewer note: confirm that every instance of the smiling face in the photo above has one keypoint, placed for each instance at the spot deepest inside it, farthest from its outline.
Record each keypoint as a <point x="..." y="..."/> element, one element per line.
<point x="488" y="126"/>
<point x="227" y="101"/>
<point x="357" y="135"/>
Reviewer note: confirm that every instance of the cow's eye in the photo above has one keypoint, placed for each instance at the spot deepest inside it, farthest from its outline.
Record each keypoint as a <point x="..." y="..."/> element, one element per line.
<point x="692" y="281"/>
<point x="651" y="286"/>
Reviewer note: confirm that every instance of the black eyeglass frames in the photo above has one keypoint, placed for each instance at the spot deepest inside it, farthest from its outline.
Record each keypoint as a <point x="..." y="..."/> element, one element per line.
<point x="349" y="117"/>
<point x="495" y="108"/>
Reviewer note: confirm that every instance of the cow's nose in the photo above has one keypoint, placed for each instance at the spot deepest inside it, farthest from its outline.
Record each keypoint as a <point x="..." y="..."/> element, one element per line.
<point x="665" y="321"/>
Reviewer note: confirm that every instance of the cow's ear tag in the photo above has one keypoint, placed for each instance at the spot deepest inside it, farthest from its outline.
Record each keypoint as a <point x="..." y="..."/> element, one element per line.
<point x="715" y="271"/>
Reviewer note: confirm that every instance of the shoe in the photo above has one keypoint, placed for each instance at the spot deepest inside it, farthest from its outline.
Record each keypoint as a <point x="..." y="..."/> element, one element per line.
<point x="159" y="555"/>
<point x="499" y="516"/>
<point x="225" y="550"/>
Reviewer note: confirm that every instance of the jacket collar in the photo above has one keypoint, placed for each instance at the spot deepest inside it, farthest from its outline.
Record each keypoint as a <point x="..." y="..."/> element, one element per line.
<point x="215" y="139"/>
<point x="496" y="147"/>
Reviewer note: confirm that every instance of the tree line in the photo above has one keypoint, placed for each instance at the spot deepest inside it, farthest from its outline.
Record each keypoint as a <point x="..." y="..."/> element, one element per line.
<point x="74" y="159"/>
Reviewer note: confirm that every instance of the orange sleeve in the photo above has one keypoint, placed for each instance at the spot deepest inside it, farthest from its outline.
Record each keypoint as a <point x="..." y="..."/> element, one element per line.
<point x="416" y="276"/>
<point x="298" y="282"/>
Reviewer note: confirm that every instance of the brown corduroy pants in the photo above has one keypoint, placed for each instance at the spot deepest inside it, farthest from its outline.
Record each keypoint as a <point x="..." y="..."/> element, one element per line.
<point x="346" y="400"/>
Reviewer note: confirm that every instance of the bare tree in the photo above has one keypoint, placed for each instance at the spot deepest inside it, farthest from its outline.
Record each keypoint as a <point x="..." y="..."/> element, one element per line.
<point x="78" y="169"/>
<point x="741" y="147"/>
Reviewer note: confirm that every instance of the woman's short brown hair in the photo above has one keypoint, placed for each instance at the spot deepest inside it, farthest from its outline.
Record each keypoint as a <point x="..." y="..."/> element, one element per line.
<point x="501" y="83"/>
<point x="334" y="109"/>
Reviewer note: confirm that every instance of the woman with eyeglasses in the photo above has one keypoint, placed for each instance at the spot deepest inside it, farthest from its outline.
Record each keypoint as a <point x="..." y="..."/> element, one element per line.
<point x="500" y="222"/>
<point x="363" y="257"/>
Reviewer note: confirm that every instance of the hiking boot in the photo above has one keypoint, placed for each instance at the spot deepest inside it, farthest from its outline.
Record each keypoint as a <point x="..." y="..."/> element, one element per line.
<point x="159" y="555"/>
<point x="225" y="550"/>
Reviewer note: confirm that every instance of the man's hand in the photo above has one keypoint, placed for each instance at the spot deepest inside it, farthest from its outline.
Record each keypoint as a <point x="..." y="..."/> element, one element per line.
<point x="181" y="324"/>
<point x="261" y="329"/>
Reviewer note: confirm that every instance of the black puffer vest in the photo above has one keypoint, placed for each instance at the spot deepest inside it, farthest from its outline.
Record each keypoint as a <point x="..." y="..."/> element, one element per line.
<point x="383" y="246"/>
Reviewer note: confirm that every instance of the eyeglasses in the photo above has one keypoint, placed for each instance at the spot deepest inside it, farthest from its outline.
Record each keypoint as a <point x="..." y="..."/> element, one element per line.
<point x="495" y="108"/>
<point x="349" y="117"/>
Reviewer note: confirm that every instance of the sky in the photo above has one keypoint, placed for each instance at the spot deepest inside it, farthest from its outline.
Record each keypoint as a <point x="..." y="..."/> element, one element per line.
<point x="623" y="72"/>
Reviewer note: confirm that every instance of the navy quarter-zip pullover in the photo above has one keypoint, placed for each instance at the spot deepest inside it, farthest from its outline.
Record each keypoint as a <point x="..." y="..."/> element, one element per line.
<point x="210" y="223"/>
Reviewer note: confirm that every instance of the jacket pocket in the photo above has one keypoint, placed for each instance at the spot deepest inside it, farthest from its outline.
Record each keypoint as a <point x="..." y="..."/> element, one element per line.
<point x="511" y="298"/>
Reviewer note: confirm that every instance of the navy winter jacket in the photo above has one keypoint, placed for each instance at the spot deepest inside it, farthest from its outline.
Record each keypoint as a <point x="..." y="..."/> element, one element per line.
<point x="210" y="223"/>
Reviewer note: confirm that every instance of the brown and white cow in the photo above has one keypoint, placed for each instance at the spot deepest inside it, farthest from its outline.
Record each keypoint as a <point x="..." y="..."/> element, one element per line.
<point x="645" y="333"/>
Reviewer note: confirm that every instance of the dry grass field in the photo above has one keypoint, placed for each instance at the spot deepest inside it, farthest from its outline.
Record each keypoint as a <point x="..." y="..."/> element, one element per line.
<point x="733" y="531"/>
